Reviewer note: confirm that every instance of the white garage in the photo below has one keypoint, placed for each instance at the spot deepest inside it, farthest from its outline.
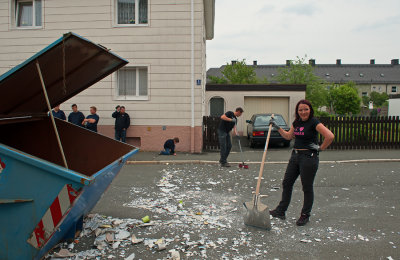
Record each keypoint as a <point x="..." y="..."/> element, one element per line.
<point x="260" y="105"/>
<point x="280" y="99"/>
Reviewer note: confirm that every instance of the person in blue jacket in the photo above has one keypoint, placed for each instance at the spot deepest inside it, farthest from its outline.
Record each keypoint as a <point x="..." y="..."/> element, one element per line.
<point x="57" y="112"/>
<point x="76" y="117"/>
<point x="169" y="146"/>
<point x="92" y="120"/>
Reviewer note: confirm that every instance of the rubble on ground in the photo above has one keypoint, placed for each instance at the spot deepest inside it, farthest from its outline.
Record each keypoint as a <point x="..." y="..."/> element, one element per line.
<point x="188" y="219"/>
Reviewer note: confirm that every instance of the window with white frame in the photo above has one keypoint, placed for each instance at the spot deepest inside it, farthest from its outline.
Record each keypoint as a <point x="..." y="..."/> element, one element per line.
<point x="131" y="12"/>
<point x="394" y="89"/>
<point x="132" y="83"/>
<point x="28" y="13"/>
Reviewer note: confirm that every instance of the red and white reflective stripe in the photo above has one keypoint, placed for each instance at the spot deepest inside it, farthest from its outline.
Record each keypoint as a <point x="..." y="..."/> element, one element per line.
<point x="46" y="227"/>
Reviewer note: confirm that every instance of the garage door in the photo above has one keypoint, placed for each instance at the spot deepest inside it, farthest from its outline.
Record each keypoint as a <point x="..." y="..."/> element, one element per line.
<point x="257" y="105"/>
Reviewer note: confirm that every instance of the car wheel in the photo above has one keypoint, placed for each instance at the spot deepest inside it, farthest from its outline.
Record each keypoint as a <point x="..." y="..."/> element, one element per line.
<point x="252" y="144"/>
<point x="286" y="144"/>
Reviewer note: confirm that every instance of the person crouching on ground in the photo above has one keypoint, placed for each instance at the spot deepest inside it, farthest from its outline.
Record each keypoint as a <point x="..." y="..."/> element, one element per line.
<point x="169" y="146"/>
<point x="228" y="122"/>
<point x="304" y="159"/>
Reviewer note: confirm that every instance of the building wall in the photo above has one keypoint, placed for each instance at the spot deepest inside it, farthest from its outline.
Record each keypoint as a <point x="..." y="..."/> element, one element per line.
<point x="380" y="88"/>
<point x="234" y="99"/>
<point x="394" y="107"/>
<point x="164" y="46"/>
<point x="362" y="88"/>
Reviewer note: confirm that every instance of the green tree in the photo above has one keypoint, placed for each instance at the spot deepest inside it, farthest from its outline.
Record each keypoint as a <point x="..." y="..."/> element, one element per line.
<point x="299" y="72"/>
<point x="365" y="100"/>
<point x="218" y="80"/>
<point x="238" y="73"/>
<point x="345" y="99"/>
<point x="378" y="98"/>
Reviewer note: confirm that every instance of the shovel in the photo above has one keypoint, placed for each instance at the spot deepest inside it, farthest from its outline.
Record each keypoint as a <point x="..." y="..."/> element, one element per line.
<point x="257" y="214"/>
<point x="242" y="165"/>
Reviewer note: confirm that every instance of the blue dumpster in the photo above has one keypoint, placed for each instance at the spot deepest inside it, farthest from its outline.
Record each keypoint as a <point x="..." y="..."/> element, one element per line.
<point x="51" y="172"/>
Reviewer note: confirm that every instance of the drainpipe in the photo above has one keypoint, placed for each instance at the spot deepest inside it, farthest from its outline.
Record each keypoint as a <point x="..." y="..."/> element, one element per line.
<point x="192" y="77"/>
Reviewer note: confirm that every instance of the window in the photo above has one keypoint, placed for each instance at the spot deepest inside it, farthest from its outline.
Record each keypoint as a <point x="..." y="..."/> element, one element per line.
<point x="132" y="83"/>
<point x="217" y="106"/>
<point x="264" y="120"/>
<point x="131" y="12"/>
<point x="28" y="13"/>
<point x="394" y="89"/>
<point x="365" y="94"/>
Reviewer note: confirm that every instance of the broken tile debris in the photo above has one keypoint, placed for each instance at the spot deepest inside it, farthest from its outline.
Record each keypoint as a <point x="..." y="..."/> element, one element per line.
<point x="189" y="219"/>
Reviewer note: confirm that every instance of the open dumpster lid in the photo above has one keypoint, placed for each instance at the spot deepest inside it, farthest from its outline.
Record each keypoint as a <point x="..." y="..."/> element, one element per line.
<point x="69" y="65"/>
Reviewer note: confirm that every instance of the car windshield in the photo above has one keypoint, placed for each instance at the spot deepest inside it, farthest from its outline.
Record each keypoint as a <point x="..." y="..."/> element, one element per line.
<point x="264" y="120"/>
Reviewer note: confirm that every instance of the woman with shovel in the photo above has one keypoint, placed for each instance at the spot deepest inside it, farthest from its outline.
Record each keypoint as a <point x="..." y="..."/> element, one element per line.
<point x="304" y="160"/>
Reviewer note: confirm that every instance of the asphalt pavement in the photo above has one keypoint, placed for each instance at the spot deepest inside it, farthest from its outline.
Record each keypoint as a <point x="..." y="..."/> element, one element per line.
<point x="196" y="208"/>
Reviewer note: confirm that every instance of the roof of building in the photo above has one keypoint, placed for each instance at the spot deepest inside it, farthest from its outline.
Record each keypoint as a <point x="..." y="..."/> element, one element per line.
<point x="255" y="87"/>
<point x="358" y="73"/>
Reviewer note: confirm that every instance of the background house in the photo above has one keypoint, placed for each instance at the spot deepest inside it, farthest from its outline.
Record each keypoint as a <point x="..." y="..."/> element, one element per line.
<point x="162" y="87"/>
<point x="280" y="99"/>
<point x="367" y="77"/>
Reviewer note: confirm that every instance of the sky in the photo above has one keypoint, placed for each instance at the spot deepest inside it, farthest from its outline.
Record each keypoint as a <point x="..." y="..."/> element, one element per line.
<point x="273" y="31"/>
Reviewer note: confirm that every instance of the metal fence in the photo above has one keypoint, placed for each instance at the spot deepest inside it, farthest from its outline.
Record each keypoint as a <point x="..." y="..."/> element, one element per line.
<point x="364" y="132"/>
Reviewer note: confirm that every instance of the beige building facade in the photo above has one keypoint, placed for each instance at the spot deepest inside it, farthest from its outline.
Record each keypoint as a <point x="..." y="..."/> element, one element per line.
<point x="162" y="87"/>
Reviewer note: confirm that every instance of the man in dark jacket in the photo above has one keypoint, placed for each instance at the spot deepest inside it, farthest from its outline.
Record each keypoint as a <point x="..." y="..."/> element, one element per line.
<point x="122" y="123"/>
<point x="57" y="112"/>
<point x="76" y="117"/>
<point x="169" y="146"/>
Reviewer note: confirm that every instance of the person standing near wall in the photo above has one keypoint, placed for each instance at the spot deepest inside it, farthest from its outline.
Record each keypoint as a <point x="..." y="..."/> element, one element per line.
<point x="92" y="120"/>
<point x="228" y="122"/>
<point x="122" y="123"/>
<point x="76" y="117"/>
<point x="57" y="112"/>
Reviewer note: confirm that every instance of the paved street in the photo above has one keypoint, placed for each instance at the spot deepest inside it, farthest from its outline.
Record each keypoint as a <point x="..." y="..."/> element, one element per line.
<point x="197" y="210"/>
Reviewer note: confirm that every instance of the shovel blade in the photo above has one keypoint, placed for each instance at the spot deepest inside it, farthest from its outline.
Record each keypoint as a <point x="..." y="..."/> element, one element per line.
<point x="257" y="216"/>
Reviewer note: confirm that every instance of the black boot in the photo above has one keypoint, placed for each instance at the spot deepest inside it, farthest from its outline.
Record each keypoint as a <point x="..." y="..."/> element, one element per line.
<point x="304" y="219"/>
<point x="277" y="214"/>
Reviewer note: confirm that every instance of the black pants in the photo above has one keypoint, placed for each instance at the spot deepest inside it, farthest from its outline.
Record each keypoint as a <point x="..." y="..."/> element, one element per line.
<point x="225" y="144"/>
<point x="305" y="164"/>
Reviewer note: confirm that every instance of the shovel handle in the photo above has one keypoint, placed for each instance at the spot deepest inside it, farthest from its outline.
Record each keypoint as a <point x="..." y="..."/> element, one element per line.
<point x="263" y="159"/>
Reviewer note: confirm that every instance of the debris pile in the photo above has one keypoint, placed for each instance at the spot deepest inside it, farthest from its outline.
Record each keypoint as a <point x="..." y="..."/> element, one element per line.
<point x="185" y="217"/>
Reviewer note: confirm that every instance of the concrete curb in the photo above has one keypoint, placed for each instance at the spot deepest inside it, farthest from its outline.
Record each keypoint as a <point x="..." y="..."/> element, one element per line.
<point x="273" y="162"/>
